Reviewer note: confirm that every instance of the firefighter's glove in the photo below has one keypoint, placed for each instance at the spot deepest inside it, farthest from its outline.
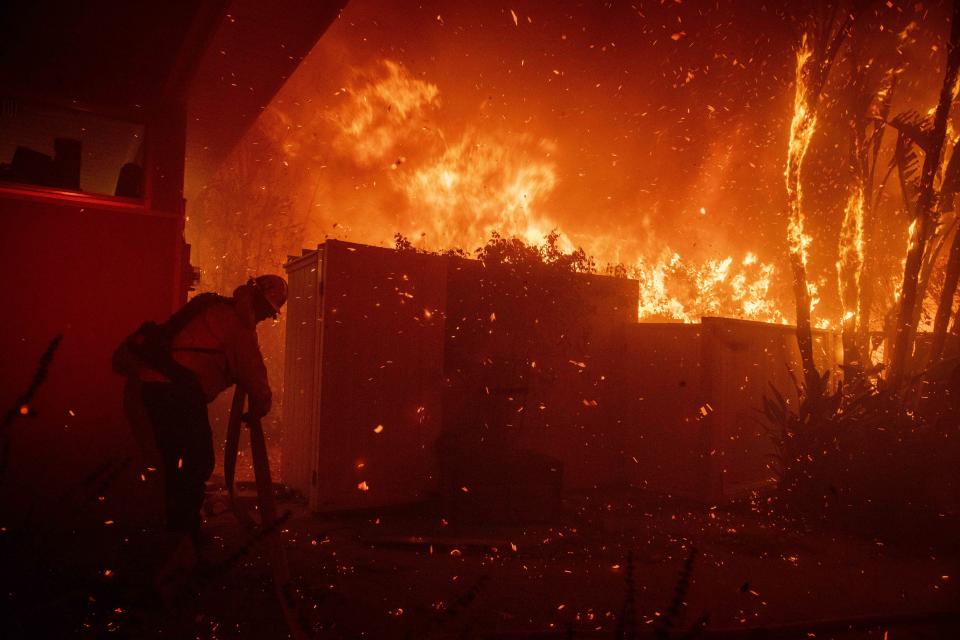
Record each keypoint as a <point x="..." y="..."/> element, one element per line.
<point x="252" y="415"/>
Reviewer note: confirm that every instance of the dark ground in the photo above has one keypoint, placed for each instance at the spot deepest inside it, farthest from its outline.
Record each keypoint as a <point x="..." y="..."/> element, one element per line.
<point x="362" y="576"/>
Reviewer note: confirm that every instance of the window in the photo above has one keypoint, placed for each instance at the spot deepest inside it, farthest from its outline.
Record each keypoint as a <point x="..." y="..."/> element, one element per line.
<point x="73" y="150"/>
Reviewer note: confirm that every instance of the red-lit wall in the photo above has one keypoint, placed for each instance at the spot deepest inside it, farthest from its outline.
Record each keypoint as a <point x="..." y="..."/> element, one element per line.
<point x="364" y="375"/>
<point x="91" y="270"/>
<point x="530" y="357"/>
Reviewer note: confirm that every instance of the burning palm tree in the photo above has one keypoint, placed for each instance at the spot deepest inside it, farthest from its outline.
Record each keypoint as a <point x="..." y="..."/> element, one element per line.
<point x="814" y="60"/>
<point x="926" y="214"/>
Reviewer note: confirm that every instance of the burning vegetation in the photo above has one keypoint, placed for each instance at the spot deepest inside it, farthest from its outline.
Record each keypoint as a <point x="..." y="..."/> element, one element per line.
<point x="791" y="169"/>
<point x="551" y="136"/>
<point x="591" y="285"/>
<point x="386" y="144"/>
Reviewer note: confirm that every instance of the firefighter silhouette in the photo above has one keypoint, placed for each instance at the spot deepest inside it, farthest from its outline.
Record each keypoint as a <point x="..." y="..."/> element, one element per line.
<point x="176" y="368"/>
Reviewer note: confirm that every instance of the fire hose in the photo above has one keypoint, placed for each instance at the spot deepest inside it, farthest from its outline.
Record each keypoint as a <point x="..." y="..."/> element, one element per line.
<point x="269" y="526"/>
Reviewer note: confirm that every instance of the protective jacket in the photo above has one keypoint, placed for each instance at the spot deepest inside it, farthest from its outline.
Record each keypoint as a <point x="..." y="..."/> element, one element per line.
<point x="220" y="347"/>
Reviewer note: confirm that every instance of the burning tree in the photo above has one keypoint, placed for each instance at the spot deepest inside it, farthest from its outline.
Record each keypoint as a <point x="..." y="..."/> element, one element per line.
<point x="872" y="85"/>
<point x="915" y="136"/>
<point x="857" y="446"/>
<point x="926" y="216"/>
<point x="814" y="60"/>
<point x="948" y="291"/>
<point x="927" y="196"/>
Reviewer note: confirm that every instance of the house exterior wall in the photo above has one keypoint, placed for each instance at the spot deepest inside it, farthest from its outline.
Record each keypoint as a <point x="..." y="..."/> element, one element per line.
<point x="666" y="441"/>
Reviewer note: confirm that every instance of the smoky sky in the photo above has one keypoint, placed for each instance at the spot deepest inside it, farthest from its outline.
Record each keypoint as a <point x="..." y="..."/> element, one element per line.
<point x="665" y="124"/>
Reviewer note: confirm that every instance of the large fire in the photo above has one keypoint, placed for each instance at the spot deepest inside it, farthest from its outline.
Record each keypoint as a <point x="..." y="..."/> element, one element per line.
<point x="480" y="185"/>
<point x="801" y="133"/>
<point x="385" y="108"/>
<point x="672" y="289"/>
<point x="668" y="169"/>
<point x="462" y="186"/>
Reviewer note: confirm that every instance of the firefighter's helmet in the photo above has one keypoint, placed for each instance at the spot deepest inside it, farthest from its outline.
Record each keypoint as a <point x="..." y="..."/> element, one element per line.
<point x="274" y="290"/>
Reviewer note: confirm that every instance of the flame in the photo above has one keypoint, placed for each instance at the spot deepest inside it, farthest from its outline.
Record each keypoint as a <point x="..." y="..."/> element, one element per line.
<point x="850" y="260"/>
<point x="801" y="132"/>
<point x="671" y="289"/>
<point x="454" y="184"/>
<point x="911" y="242"/>
<point x="382" y="109"/>
<point x="487" y="181"/>
<point x="481" y="185"/>
<point x="814" y="290"/>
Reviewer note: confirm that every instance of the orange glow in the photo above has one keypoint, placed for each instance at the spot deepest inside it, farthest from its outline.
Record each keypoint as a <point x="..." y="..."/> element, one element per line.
<point x="671" y="289"/>
<point x="381" y="107"/>
<point x="911" y="242"/>
<point x="481" y="185"/>
<point x="850" y="260"/>
<point x="668" y="169"/>
<point x="802" y="126"/>
<point x="460" y="186"/>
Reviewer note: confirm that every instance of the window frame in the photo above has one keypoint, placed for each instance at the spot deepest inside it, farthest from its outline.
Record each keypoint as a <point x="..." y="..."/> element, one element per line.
<point x="103" y="200"/>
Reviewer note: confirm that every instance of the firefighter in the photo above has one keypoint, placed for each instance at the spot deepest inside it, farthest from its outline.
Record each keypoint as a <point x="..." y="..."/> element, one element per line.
<point x="177" y="368"/>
